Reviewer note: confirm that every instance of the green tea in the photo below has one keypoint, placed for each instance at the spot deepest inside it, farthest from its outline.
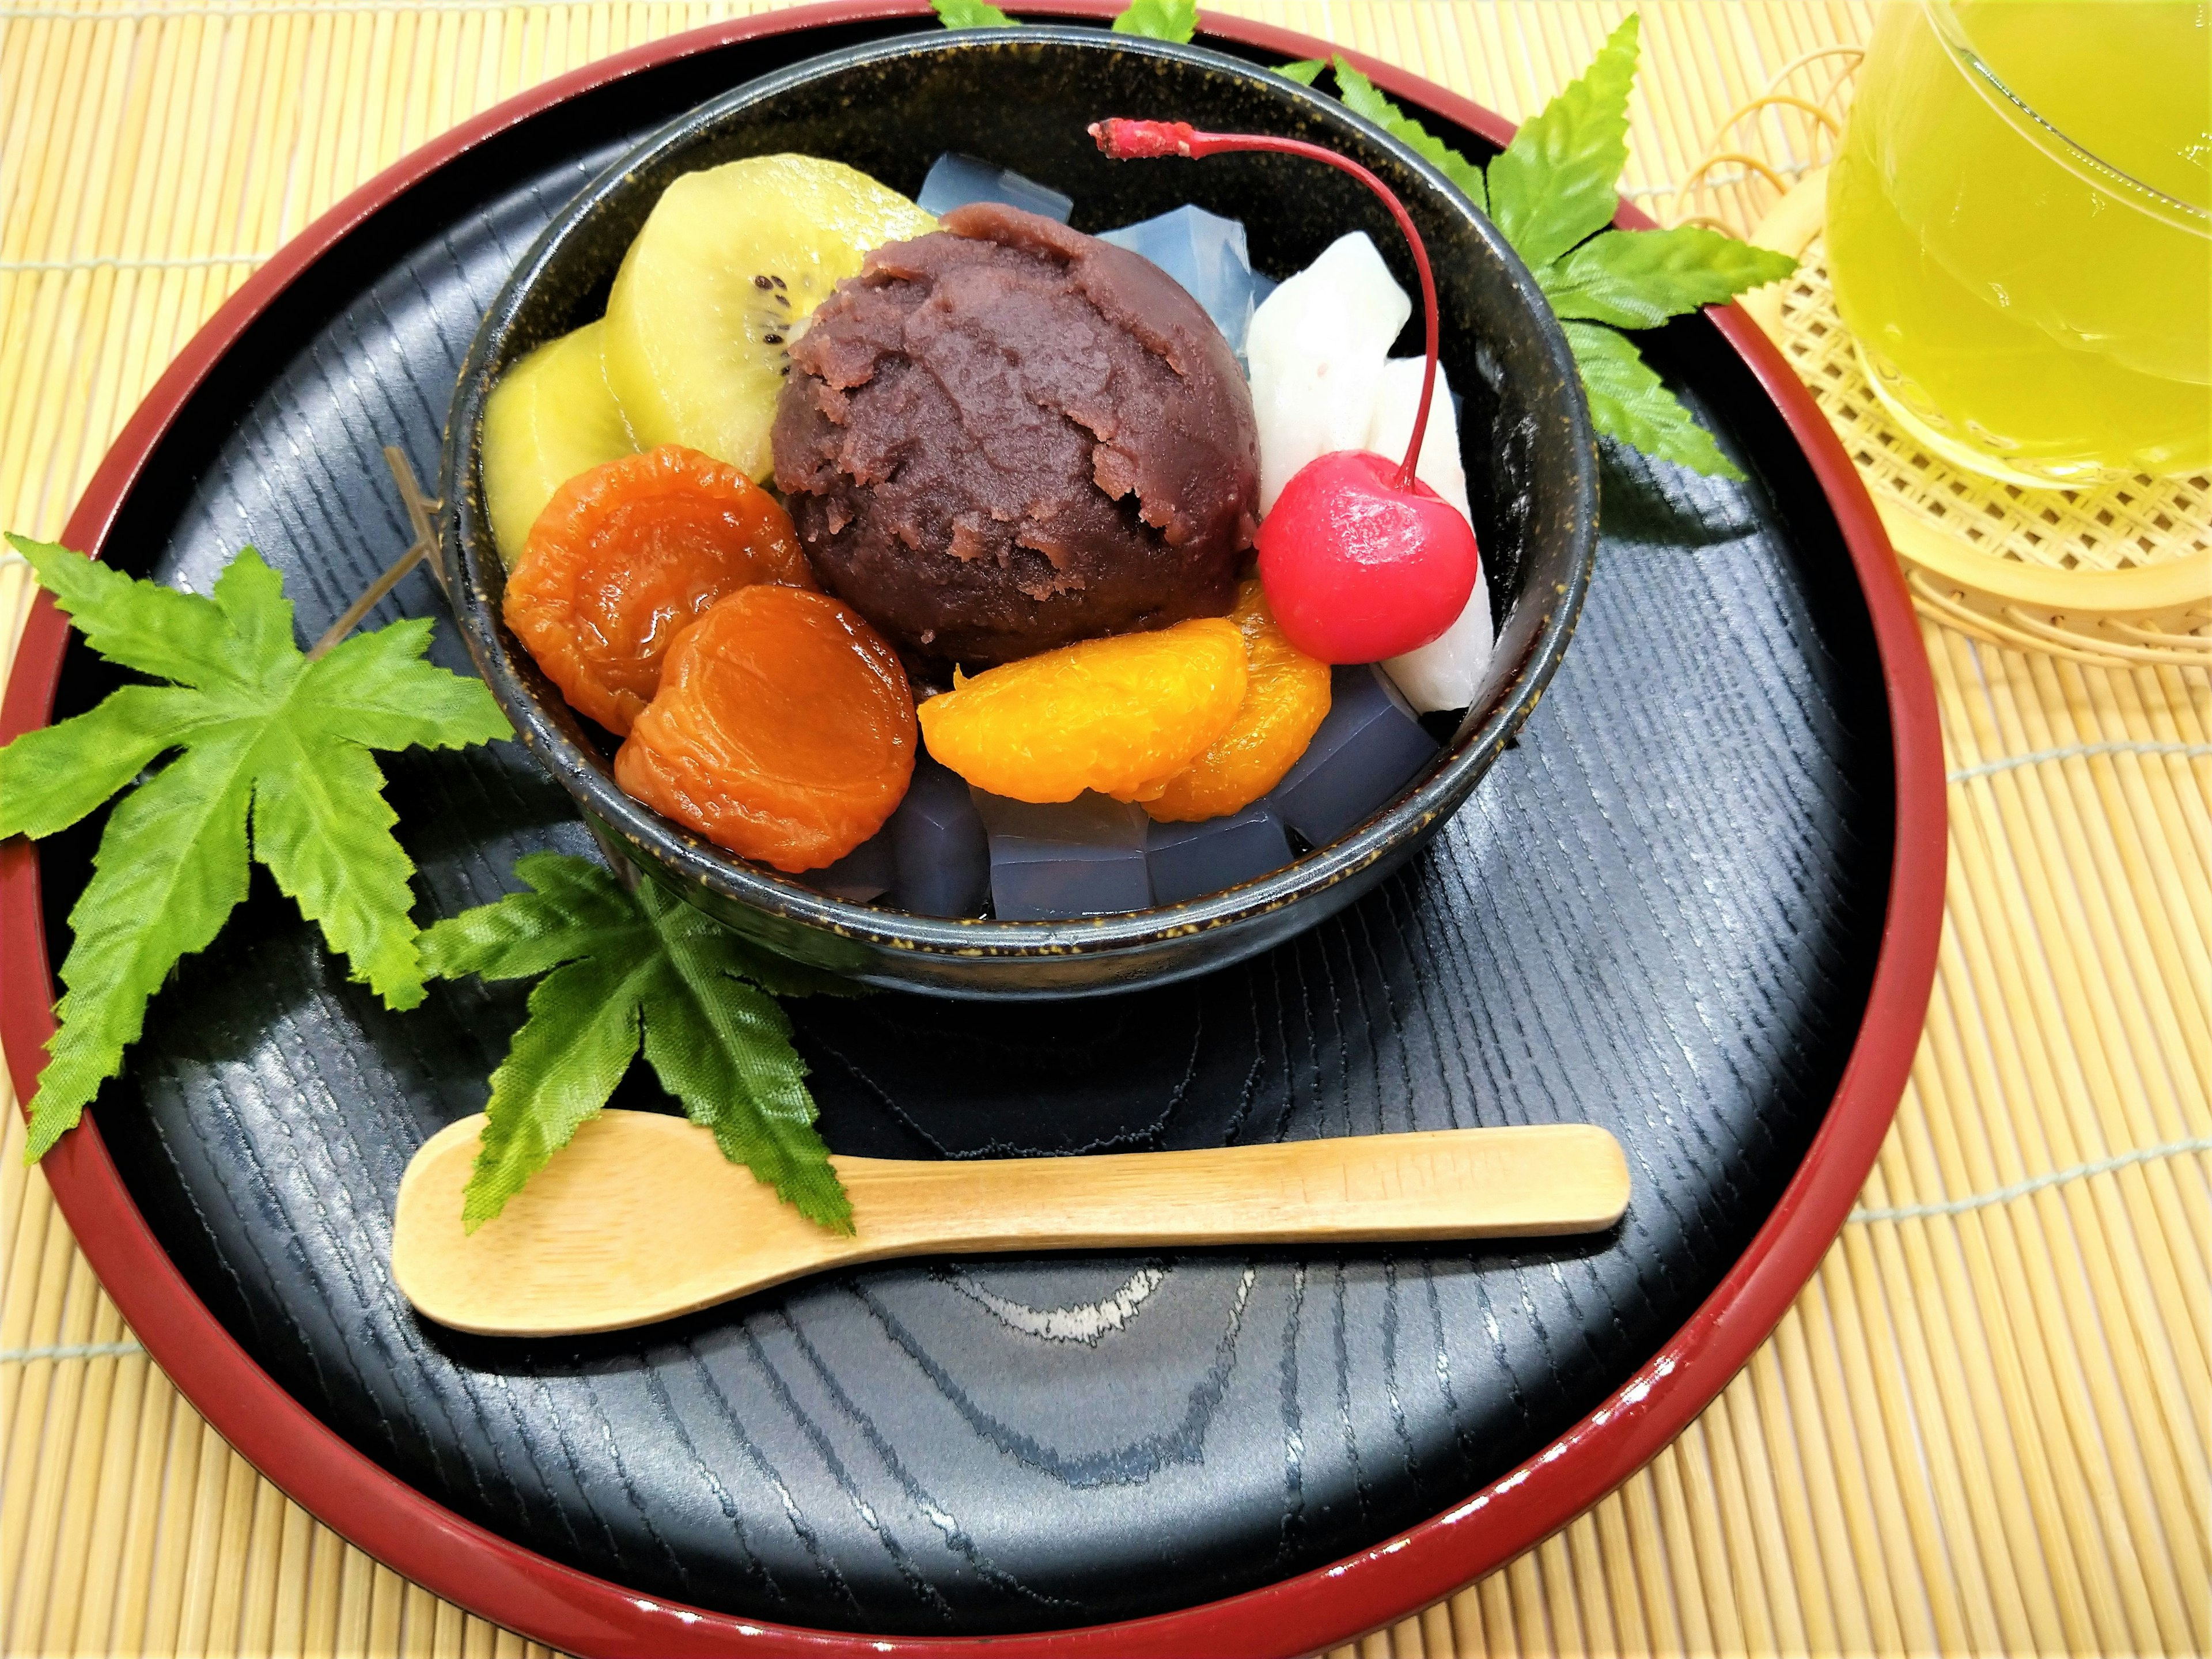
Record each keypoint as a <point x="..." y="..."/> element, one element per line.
<point x="2017" y="235"/>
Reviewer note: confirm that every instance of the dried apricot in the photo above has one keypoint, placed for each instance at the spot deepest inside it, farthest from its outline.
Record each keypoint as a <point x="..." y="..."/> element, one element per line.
<point x="1286" y="697"/>
<point x="783" y="729"/>
<point x="629" y="555"/>
<point x="1120" y="715"/>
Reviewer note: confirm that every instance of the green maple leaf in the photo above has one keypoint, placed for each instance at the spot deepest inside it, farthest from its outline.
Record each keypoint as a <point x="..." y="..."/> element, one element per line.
<point x="1161" y="19"/>
<point x="1627" y="401"/>
<point x="1639" y="278"/>
<point x="1360" y="97"/>
<point x="971" y="14"/>
<point x="1557" y="182"/>
<point x="274" y="765"/>
<point x="1305" y="71"/>
<point x="1553" y="193"/>
<point x="616" y="963"/>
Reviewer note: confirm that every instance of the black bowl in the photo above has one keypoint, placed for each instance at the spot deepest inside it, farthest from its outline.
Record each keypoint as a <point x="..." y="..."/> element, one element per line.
<point x="1023" y="98"/>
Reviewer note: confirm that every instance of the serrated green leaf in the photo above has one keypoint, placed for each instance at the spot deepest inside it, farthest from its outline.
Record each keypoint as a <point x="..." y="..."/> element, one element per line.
<point x="1160" y="20"/>
<point x="52" y="776"/>
<point x="1628" y="402"/>
<point x="251" y="597"/>
<point x="971" y="14"/>
<point x="266" y="739"/>
<point x="778" y="975"/>
<point x="723" y="1049"/>
<point x="374" y="689"/>
<point x="1305" y="71"/>
<point x="717" y="1041"/>
<point x="1361" y="98"/>
<point x="576" y="909"/>
<point x="1639" y="278"/>
<point x="170" y="868"/>
<point x="1555" y="184"/>
<point x="326" y="837"/>
<point x="565" y="1062"/>
<point x="142" y="625"/>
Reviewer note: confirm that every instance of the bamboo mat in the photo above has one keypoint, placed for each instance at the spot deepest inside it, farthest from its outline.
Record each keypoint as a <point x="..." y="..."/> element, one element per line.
<point x="1982" y="1428"/>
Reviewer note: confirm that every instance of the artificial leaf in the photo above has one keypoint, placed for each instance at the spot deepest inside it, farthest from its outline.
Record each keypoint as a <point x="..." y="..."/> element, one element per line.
<point x="58" y="774"/>
<point x="569" y="908"/>
<point x="618" y="963"/>
<point x="971" y="14"/>
<point x="1627" y="402"/>
<point x="1160" y="20"/>
<point x="1639" y="278"/>
<point x="275" y="764"/>
<point x="1360" y="97"/>
<point x="580" y="1038"/>
<point x="1305" y="71"/>
<point x="1553" y="193"/>
<point x="723" y="1048"/>
<point x="1554" y="186"/>
<point x="170" y="868"/>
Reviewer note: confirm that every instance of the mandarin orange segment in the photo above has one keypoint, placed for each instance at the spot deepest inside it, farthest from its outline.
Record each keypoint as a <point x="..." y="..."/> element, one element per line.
<point x="629" y="555"/>
<point x="1285" y="698"/>
<point x="784" y="730"/>
<point x="1120" y="715"/>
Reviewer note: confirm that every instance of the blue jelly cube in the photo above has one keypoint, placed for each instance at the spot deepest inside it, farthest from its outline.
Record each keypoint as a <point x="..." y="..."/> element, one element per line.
<point x="957" y="180"/>
<point x="1368" y="749"/>
<point x="1189" y="860"/>
<point x="1086" y="858"/>
<point x="943" y="861"/>
<point x="862" y="876"/>
<point x="1207" y="254"/>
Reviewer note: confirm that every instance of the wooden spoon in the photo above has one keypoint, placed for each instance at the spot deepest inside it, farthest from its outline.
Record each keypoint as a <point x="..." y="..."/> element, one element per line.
<point x="641" y="1218"/>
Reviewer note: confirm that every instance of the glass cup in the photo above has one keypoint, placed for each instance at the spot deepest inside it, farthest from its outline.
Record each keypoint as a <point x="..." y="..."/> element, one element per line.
<point x="2018" y="235"/>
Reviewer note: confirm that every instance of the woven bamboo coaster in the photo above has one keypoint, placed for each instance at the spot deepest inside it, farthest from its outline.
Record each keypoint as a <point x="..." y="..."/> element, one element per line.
<point x="2115" y="572"/>
<point x="1982" y="1429"/>
<point x="2111" y="573"/>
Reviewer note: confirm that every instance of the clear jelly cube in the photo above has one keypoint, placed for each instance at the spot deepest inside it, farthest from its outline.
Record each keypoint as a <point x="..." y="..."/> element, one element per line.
<point x="1207" y="254"/>
<point x="955" y="180"/>
<point x="1368" y="749"/>
<point x="1189" y="860"/>
<point x="942" y="859"/>
<point x="1084" y="858"/>
<point x="862" y="876"/>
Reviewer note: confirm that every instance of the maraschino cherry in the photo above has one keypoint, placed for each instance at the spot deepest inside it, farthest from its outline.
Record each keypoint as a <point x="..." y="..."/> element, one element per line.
<point x="1360" y="559"/>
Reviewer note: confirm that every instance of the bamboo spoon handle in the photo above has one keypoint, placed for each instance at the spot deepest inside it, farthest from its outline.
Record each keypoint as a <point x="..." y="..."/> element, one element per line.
<point x="1450" y="1183"/>
<point x="641" y="1218"/>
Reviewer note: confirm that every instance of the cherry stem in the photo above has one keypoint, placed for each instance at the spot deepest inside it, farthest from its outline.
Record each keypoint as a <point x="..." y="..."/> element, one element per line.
<point x="1125" y="140"/>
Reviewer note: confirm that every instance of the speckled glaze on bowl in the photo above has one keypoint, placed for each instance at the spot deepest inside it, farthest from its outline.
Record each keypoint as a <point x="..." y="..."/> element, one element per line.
<point x="1023" y="98"/>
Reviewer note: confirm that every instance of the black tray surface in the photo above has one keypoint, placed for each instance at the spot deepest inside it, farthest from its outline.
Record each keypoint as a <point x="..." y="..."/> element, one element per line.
<point x="1659" y="913"/>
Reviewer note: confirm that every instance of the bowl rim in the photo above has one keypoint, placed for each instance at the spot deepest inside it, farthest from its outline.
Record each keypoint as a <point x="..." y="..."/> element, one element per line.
<point x="686" y="860"/>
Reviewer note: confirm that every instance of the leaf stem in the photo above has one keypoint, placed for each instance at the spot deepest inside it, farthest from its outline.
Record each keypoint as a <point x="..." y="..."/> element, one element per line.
<point x="422" y="516"/>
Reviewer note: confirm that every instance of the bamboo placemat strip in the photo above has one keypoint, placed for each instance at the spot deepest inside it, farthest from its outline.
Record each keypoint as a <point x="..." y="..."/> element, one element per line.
<point x="1982" y="1428"/>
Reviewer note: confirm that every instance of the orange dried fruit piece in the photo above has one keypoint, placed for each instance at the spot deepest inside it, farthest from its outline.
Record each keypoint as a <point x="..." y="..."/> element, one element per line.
<point x="783" y="731"/>
<point x="1286" y="699"/>
<point x="629" y="555"/>
<point x="1120" y="715"/>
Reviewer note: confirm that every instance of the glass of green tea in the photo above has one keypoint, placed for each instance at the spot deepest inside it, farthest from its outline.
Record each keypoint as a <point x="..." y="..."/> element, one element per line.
<point x="2020" y="233"/>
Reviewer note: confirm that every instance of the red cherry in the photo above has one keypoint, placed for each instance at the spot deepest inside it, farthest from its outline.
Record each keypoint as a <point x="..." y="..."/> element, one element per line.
<point x="1359" y="568"/>
<point x="1360" y="559"/>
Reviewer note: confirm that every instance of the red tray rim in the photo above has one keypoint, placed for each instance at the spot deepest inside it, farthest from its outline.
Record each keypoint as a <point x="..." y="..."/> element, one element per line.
<point x="581" y="1613"/>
